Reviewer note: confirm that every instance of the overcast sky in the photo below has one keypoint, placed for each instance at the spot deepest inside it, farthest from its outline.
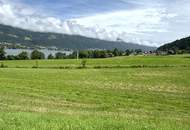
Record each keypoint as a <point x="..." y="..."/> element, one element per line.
<point x="148" y="22"/>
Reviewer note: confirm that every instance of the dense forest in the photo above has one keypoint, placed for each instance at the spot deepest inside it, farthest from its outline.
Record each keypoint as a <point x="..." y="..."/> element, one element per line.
<point x="62" y="41"/>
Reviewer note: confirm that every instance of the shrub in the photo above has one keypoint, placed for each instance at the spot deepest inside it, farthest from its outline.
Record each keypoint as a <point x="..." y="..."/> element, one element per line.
<point x="83" y="63"/>
<point x="2" y="65"/>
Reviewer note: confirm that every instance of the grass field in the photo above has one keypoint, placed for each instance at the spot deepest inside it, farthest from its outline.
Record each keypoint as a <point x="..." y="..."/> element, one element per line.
<point x="123" y="93"/>
<point x="183" y="60"/>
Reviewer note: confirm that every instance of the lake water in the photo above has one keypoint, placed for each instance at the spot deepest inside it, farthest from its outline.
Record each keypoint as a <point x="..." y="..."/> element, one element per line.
<point x="45" y="51"/>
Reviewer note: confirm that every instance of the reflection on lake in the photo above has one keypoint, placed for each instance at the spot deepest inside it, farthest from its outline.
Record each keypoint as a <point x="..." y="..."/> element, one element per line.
<point x="45" y="51"/>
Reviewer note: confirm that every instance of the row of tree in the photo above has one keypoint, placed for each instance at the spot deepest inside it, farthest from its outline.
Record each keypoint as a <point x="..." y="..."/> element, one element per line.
<point x="22" y="56"/>
<point x="34" y="55"/>
<point x="81" y="54"/>
<point x="107" y="53"/>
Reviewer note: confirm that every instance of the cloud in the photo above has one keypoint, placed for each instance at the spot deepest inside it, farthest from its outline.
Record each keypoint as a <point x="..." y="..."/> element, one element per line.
<point x="131" y="24"/>
<point x="148" y="23"/>
<point x="25" y="18"/>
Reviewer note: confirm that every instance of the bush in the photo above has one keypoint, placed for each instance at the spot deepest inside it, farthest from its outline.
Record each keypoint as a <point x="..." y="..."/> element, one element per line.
<point x="83" y="63"/>
<point x="2" y="65"/>
<point x="36" y="64"/>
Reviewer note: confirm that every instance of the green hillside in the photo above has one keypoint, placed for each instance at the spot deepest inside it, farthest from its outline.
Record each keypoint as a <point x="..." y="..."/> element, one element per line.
<point x="29" y="38"/>
<point x="178" y="45"/>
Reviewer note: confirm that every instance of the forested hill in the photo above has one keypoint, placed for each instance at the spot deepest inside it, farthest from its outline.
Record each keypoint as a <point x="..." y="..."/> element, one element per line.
<point x="29" y="38"/>
<point x="178" y="45"/>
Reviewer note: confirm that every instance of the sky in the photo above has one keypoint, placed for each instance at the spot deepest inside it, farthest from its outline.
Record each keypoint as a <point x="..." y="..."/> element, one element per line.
<point x="145" y="22"/>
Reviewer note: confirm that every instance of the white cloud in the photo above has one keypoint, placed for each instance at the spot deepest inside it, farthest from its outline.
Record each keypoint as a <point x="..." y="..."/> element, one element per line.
<point x="131" y="25"/>
<point x="28" y="19"/>
<point x="147" y="25"/>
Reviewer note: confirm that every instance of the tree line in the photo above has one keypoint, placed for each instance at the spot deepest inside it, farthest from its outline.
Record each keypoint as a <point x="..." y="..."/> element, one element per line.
<point x="36" y="54"/>
<point x="107" y="53"/>
<point x="22" y="56"/>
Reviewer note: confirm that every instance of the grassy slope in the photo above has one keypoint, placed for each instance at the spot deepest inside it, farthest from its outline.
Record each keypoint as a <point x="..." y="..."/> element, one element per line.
<point x="96" y="99"/>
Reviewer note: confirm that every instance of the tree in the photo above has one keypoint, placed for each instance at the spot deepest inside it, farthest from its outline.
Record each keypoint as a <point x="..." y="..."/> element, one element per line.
<point x="83" y="54"/>
<point x="127" y="52"/>
<point x="37" y="55"/>
<point x="50" y="56"/>
<point x="2" y="53"/>
<point x="73" y="55"/>
<point x="103" y="54"/>
<point x="138" y="51"/>
<point x="12" y="57"/>
<point x="96" y="54"/>
<point x="60" y="55"/>
<point x="171" y="52"/>
<point x="23" y="56"/>
<point x="116" y="52"/>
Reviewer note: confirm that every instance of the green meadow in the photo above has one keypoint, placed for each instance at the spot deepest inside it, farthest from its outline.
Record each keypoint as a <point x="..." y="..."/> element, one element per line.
<point x="179" y="60"/>
<point x="122" y="93"/>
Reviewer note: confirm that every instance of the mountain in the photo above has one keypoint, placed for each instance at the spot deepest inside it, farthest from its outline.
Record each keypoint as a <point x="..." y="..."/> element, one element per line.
<point x="30" y="38"/>
<point x="178" y="45"/>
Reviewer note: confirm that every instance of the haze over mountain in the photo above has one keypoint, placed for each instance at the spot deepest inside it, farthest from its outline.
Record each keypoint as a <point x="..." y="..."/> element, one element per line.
<point x="29" y="38"/>
<point x="145" y="22"/>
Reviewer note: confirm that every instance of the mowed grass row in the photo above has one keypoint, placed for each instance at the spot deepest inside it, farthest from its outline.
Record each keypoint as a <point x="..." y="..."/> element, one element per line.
<point x="96" y="99"/>
<point x="131" y="61"/>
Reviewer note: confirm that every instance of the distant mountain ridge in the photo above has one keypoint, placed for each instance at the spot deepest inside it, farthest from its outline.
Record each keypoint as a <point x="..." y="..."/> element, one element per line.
<point x="178" y="45"/>
<point x="15" y="35"/>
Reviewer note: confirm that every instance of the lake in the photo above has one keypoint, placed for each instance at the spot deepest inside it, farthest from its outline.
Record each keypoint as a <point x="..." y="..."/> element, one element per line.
<point x="45" y="51"/>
